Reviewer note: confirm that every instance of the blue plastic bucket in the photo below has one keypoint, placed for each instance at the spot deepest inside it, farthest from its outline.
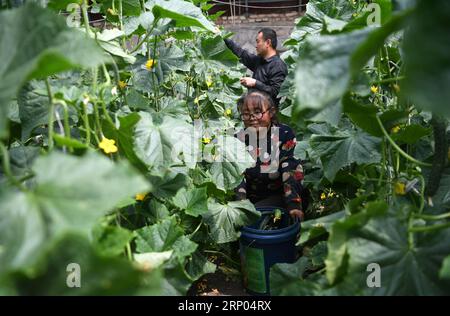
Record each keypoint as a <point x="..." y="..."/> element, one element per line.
<point x="261" y="249"/>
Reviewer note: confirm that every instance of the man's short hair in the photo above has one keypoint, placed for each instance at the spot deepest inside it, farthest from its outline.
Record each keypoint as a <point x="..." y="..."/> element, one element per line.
<point x="269" y="34"/>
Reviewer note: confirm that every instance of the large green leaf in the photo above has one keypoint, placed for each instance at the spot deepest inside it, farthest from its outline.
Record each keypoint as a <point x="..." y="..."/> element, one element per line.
<point x="164" y="236"/>
<point x="131" y="7"/>
<point x="341" y="9"/>
<point x="176" y="282"/>
<point x="35" y="43"/>
<point x="143" y="80"/>
<point x="427" y="62"/>
<point x="337" y="259"/>
<point x="158" y="237"/>
<point x="168" y="60"/>
<point x="166" y="184"/>
<point x="319" y="226"/>
<point x="99" y="275"/>
<point x="109" y="40"/>
<point x="22" y="158"/>
<point x="310" y="23"/>
<point x="287" y="279"/>
<point x="362" y="115"/>
<point x="73" y="192"/>
<point x="132" y="23"/>
<point x="330" y="114"/>
<point x="193" y="202"/>
<point x="333" y="25"/>
<point x="411" y="134"/>
<point x="110" y="240"/>
<point x="322" y="74"/>
<point x="409" y="264"/>
<point x="22" y="231"/>
<point x="343" y="148"/>
<point x="405" y="270"/>
<point x="160" y="142"/>
<point x="124" y="137"/>
<point x="199" y="265"/>
<point x="229" y="161"/>
<point x="157" y="211"/>
<point x="225" y="219"/>
<point x="33" y="107"/>
<point x="215" y="50"/>
<point x="184" y="13"/>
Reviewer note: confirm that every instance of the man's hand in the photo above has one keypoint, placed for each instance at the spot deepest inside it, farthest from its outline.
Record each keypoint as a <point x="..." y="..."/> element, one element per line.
<point x="248" y="82"/>
<point x="297" y="213"/>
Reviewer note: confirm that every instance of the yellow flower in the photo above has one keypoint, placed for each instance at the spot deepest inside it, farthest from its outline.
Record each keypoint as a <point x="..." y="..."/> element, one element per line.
<point x="323" y="196"/>
<point x="209" y="82"/>
<point x="206" y="140"/>
<point x="150" y="64"/>
<point x="108" y="145"/>
<point x="399" y="188"/>
<point x="228" y="112"/>
<point x="395" y="129"/>
<point x="196" y="101"/>
<point x="122" y="84"/>
<point x="111" y="11"/>
<point x="374" y="89"/>
<point x="140" y="196"/>
<point x="396" y="88"/>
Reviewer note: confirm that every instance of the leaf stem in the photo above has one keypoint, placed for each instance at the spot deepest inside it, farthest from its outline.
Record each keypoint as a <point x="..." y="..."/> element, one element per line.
<point x="196" y="229"/>
<point x="86" y="123"/>
<point x="139" y="44"/>
<point x="121" y="23"/>
<point x="129" y="254"/>
<point x="222" y="254"/>
<point x="433" y="217"/>
<point x="429" y="228"/>
<point x="50" y="116"/>
<point x="401" y="152"/>
<point x="106" y="74"/>
<point x="84" y="6"/>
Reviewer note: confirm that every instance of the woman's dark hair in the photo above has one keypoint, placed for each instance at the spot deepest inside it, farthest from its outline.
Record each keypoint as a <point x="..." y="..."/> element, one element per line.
<point x="258" y="99"/>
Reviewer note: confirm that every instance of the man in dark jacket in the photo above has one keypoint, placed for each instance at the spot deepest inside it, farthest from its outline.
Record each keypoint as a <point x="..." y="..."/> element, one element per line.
<point x="269" y="71"/>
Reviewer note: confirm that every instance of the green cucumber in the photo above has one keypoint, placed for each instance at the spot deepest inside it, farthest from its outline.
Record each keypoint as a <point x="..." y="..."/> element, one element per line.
<point x="440" y="154"/>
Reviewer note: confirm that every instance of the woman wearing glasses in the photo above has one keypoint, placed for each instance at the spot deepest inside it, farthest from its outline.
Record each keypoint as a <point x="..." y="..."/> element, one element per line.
<point x="276" y="179"/>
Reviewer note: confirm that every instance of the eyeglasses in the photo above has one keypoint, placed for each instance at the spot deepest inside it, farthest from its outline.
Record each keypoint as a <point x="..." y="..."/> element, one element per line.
<point x="257" y="115"/>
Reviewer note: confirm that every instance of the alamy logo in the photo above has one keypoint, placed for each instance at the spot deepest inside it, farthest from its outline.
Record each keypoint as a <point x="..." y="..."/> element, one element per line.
<point x="74" y="275"/>
<point x="374" y="278"/>
<point x="374" y="17"/>
<point x="74" y="17"/>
